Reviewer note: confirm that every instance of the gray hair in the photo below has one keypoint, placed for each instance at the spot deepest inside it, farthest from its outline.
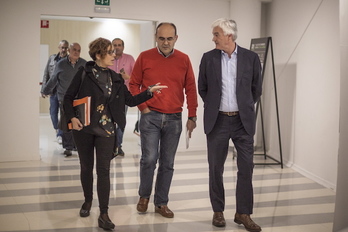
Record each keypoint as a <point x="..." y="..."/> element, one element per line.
<point x="228" y="26"/>
<point x="64" y="42"/>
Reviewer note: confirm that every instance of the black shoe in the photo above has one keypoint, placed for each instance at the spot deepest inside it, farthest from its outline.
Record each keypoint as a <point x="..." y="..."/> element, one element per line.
<point x="105" y="222"/>
<point x="114" y="154"/>
<point x="120" y="151"/>
<point x="85" y="209"/>
<point x="67" y="153"/>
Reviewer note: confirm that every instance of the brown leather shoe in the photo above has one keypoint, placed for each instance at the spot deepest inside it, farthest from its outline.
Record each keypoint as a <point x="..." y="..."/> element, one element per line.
<point x="249" y="224"/>
<point x="164" y="211"/>
<point x="219" y="219"/>
<point x="142" y="204"/>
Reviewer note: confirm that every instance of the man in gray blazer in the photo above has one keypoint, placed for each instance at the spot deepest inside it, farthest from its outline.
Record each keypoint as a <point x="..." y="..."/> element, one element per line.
<point x="49" y="69"/>
<point x="230" y="84"/>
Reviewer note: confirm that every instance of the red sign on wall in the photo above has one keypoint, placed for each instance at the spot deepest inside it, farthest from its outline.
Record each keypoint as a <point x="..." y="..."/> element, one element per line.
<point x="45" y="24"/>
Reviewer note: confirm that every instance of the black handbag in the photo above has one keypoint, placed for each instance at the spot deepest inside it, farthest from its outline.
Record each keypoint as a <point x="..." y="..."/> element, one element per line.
<point x="62" y="122"/>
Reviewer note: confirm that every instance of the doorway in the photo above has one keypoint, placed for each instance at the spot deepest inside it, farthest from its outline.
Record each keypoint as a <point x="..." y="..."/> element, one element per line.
<point x="138" y="35"/>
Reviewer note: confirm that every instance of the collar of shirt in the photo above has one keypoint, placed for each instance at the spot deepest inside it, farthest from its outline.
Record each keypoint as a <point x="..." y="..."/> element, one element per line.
<point x="119" y="57"/>
<point x="160" y="52"/>
<point x="68" y="58"/>
<point x="235" y="51"/>
<point x="58" y="57"/>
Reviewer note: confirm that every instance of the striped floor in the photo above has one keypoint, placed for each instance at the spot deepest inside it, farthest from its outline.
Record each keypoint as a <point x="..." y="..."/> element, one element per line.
<point x="46" y="196"/>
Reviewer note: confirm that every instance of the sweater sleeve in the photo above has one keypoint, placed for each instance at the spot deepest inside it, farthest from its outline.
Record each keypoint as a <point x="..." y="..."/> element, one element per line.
<point x="191" y="91"/>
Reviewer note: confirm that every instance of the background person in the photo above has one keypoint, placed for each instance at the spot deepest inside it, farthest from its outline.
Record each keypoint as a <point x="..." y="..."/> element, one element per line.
<point x="122" y="64"/>
<point x="160" y="121"/>
<point x="63" y="74"/>
<point x="48" y="72"/>
<point x="108" y="98"/>
<point x="230" y="84"/>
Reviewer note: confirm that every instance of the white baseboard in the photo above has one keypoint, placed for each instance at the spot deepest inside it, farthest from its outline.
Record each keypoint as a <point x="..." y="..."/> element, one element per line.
<point x="313" y="177"/>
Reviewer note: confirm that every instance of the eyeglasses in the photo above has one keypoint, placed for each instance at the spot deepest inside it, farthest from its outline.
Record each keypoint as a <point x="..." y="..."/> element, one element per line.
<point x="64" y="48"/>
<point x="169" y="39"/>
<point x="111" y="52"/>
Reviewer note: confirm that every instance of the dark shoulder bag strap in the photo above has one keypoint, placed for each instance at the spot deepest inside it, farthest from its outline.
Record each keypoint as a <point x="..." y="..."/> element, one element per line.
<point x="82" y="78"/>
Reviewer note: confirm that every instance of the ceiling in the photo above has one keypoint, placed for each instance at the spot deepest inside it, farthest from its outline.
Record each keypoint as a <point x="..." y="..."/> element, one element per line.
<point x="91" y="19"/>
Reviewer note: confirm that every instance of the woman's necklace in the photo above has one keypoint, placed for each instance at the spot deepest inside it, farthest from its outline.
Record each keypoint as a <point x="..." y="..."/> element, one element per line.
<point x="97" y="73"/>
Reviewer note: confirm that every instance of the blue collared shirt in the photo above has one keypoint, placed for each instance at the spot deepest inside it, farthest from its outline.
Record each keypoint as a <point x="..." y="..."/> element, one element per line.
<point x="229" y="82"/>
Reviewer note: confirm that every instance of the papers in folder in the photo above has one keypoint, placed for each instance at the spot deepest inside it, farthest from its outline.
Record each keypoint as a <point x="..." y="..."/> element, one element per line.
<point x="187" y="138"/>
<point x="82" y="109"/>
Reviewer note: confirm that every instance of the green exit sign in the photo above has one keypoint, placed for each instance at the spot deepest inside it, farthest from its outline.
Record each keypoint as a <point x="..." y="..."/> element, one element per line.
<point x="102" y="2"/>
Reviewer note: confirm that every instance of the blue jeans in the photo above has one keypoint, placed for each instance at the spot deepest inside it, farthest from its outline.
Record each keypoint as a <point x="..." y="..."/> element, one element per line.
<point x="160" y="134"/>
<point x="54" y="110"/>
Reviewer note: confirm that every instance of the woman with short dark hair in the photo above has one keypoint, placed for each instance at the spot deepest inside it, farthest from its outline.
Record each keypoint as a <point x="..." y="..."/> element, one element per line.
<point x="109" y="95"/>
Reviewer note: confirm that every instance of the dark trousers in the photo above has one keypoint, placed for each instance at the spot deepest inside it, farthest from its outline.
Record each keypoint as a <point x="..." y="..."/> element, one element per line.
<point x="68" y="142"/>
<point x="226" y="128"/>
<point x="86" y="143"/>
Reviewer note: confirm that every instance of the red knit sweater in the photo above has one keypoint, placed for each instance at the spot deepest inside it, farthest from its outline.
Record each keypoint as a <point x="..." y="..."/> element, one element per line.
<point x="175" y="71"/>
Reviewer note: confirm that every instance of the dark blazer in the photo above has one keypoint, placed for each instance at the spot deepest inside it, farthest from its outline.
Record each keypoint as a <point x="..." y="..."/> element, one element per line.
<point x="248" y="87"/>
<point x="120" y="95"/>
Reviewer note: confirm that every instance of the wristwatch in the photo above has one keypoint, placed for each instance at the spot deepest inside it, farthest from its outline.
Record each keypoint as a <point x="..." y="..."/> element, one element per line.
<point x="193" y="118"/>
<point x="148" y="90"/>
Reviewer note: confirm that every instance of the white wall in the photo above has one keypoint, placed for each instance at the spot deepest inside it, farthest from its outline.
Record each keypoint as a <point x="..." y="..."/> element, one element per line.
<point x="340" y="219"/>
<point x="247" y="14"/>
<point x="306" y="50"/>
<point x="20" y="65"/>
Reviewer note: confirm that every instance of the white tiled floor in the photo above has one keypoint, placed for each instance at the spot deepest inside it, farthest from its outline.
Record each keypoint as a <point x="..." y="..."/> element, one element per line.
<point x="46" y="195"/>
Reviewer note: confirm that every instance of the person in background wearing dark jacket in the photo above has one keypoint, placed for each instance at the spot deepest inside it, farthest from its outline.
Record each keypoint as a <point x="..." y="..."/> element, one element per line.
<point x="54" y="103"/>
<point x="109" y="95"/>
<point x="62" y="76"/>
<point x="230" y="83"/>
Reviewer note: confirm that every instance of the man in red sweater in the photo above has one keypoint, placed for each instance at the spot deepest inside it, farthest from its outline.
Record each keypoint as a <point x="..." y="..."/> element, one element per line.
<point x="160" y="122"/>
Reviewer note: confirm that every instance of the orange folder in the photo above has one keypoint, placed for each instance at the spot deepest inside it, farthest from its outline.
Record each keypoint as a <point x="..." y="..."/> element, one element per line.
<point x="82" y="109"/>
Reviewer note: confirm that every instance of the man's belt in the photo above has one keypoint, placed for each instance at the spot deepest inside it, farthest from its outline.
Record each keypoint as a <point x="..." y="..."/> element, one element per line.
<point x="234" y="113"/>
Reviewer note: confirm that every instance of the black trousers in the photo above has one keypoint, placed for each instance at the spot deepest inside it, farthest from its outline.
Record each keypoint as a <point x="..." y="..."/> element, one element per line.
<point x="226" y="128"/>
<point x="103" y="146"/>
<point x="68" y="142"/>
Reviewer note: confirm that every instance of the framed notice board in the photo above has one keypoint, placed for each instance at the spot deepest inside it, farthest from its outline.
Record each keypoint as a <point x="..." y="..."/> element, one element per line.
<point x="261" y="46"/>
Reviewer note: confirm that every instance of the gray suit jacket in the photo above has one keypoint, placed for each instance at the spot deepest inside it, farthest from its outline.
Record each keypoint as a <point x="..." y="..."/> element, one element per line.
<point x="51" y="64"/>
<point x="248" y="87"/>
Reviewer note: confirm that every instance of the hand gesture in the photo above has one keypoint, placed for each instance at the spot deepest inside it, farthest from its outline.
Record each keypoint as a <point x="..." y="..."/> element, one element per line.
<point x="157" y="87"/>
